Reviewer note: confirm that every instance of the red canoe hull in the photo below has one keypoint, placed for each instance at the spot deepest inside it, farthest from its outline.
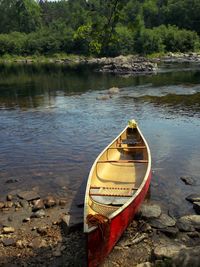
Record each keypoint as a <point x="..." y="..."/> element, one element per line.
<point x="98" y="245"/>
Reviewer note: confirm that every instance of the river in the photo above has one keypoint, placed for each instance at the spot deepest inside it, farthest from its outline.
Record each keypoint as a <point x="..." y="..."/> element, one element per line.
<point x="52" y="127"/>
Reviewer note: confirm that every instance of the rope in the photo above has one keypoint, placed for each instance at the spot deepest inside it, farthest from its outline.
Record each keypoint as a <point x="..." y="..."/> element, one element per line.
<point x="101" y="221"/>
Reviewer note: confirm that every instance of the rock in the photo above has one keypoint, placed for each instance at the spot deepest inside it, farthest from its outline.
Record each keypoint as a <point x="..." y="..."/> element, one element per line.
<point x="184" y="225"/>
<point x="12" y="181"/>
<point x="170" y="231"/>
<point x="188" y="256"/>
<point x="167" y="251"/>
<point x="38" y="243"/>
<point x="24" y="204"/>
<point x="150" y="211"/>
<point x="28" y="195"/>
<point x="26" y="219"/>
<point x="8" y="204"/>
<point x="62" y="202"/>
<point x="8" y="242"/>
<point x="103" y="97"/>
<point x="38" y="214"/>
<point x="20" y="244"/>
<point x="162" y="222"/>
<point x="145" y="264"/>
<point x="113" y="90"/>
<point x="146" y="228"/>
<point x="8" y="230"/>
<point x="196" y="207"/>
<point x="9" y="197"/>
<point x="1" y="204"/>
<point x="71" y="223"/>
<point x="193" y="234"/>
<point x="42" y="230"/>
<point x="49" y="202"/>
<point x="187" y="180"/>
<point x="193" y="198"/>
<point x="194" y="220"/>
<point x="38" y="205"/>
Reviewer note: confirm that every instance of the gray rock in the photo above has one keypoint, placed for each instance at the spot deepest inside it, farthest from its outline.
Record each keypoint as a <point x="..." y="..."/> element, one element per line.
<point x="28" y="195"/>
<point x="167" y="251"/>
<point x="187" y="180"/>
<point x="193" y="220"/>
<point x="8" y="242"/>
<point x="196" y="207"/>
<point x="49" y="202"/>
<point x="71" y="223"/>
<point x="166" y="220"/>
<point x="150" y="211"/>
<point x="193" y="198"/>
<point x="188" y="257"/>
<point x="156" y="223"/>
<point x="170" y="231"/>
<point x="38" y="214"/>
<point x="184" y="225"/>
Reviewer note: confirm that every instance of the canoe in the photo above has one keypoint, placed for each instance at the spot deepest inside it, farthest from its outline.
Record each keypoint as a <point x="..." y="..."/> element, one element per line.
<point x="117" y="184"/>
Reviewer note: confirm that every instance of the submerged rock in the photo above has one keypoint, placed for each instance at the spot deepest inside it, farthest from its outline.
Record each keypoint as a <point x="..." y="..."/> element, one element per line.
<point x="193" y="198"/>
<point x="8" y="242"/>
<point x="28" y="195"/>
<point x="184" y="225"/>
<point x="188" y="257"/>
<point x="167" y="251"/>
<point x="187" y="180"/>
<point x="196" y="207"/>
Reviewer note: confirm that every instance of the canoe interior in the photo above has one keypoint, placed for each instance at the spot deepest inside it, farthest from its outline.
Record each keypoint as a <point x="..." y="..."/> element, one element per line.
<point x="117" y="173"/>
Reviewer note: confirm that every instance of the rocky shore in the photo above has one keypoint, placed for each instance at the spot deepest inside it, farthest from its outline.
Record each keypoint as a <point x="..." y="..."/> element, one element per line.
<point x="179" y="58"/>
<point x="48" y="231"/>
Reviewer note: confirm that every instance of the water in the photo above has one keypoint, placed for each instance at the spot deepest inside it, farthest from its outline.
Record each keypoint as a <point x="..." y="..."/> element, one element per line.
<point x="52" y="127"/>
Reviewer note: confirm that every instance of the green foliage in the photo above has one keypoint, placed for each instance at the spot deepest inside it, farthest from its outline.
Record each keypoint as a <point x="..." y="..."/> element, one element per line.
<point x="97" y="27"/>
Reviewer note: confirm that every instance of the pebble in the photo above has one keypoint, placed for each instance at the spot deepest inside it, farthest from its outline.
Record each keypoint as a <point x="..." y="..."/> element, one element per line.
<point x="38" y="214"/>
<point x="1" y="204"/>
<point x="26" y="219"/>
<point x="8" y="230"/>
<point x="8" y="204"/>
<point x="8" y="242"/>
<point x="38" y="205"/>
<point x="49" y="202"/>
<point x="9" y="197"/>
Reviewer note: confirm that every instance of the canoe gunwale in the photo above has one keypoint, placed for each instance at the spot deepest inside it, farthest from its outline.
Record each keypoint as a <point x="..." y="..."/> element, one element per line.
<point x="131" y="199"/>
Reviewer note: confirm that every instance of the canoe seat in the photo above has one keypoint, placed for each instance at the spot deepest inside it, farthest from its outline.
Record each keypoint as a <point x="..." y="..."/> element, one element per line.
<point x="112" y="191"/>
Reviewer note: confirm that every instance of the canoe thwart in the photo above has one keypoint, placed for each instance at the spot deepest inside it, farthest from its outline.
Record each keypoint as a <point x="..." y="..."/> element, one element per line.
<point x="124" y="161"/>
<point x="128" y="147"/>
<point x="111" y="191"/>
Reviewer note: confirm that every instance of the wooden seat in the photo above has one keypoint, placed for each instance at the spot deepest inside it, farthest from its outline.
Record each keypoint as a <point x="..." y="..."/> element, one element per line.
<point x="112" y="191"/>
<point x="124" y="161"/>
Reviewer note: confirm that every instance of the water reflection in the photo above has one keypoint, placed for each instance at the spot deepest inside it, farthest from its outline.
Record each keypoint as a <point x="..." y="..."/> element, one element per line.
<point x="52" y="126"/>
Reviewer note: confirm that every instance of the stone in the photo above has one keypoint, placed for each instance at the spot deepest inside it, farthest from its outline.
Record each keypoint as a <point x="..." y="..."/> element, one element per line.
<point x="8" y="230"/>
<point x="150" y="211"/>
<point x="167" y="251"/>
<point x="8" y="204"/>
<point x="23" y="203"/>
<point x="38" y="205"/>
<point x="144" y="264"/>
<point x="9" y="197"/>
<point x="8" y="242"/>
<point x="38" y="243"/>
<point x="103" y="97"/>
<point x="187" y="180"/>
<point x="167" y="220"/>
<point x="49" y="202"/>
<point x="193" y="198"/>
<point x="42" y="231"/>
<point x="196" y="207"/>
<point x="1" y="204"/>
<point x="62" y="202"/>
<point x="184" y="225"/>
<point x="113" y="90"/>
<point x="20" y="244"/>
<point x="188" y="256"/>
<point x="28" y="195"/>
<point x="11" y="181"/>
<point x="170" y="231"/>
<point x="26" y="219"/>
<point x="156" y="223"/>
<point x="38" y="214"/>
<point x="194" y="220"/>
<point x="71" y="223"/>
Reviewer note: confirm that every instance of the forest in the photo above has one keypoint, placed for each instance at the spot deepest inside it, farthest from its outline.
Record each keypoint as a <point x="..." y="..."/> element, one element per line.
<point x="98" y="27"/>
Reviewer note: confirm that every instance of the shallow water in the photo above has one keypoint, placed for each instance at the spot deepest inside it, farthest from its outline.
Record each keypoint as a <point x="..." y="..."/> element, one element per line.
<point x="52" y="127"/>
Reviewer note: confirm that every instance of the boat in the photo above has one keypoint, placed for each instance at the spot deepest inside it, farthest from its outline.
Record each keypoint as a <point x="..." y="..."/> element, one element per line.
<point x="117" y="184"/>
